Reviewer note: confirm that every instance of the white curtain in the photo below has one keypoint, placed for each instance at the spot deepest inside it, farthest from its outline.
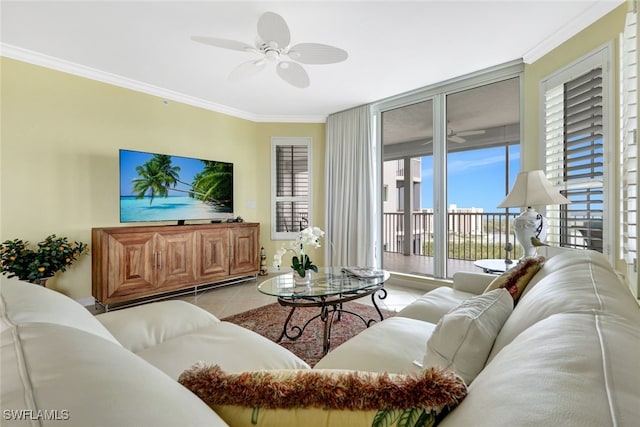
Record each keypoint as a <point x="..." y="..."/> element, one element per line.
<point x="350" y="189"/>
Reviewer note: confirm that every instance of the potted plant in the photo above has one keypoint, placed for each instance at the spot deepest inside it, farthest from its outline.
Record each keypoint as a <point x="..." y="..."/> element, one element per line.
<point x="37" y="264"/>
<point x="300" y="262"/>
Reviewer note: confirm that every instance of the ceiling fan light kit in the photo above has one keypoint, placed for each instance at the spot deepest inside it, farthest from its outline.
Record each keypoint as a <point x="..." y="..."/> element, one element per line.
<point x="273" y="43"/>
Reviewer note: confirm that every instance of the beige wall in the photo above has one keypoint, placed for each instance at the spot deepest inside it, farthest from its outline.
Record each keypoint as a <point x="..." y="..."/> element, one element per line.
<point x="601" y="32"/>
<point x="60" y="137"/>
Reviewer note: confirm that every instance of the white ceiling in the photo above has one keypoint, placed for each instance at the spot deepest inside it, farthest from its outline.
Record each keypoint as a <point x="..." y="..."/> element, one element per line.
<point x="393" y="46"/>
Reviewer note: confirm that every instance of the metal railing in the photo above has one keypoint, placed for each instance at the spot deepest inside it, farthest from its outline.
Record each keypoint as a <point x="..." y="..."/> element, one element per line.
<point x="471" y="235"/>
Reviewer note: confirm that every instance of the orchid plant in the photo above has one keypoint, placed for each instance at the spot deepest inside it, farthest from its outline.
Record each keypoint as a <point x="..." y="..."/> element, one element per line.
<point x="300" y="262"/>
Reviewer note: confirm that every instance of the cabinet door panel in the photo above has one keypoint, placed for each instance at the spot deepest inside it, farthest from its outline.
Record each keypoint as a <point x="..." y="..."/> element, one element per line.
<point x="175" y="261"/>
<point x="244" y="256"/>
<point x="213" y="254"/>
<point x="130" y="265"/>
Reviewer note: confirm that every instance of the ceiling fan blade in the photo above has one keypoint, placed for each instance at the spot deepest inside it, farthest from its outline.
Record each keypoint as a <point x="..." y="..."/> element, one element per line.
<point x="317" y="53"/>
<point x="223" y="43"/>
<point x="293" y="74"/>
<point x="471" y="132"/>
<point x="456" y="138"/>
<point x="273" y="28"/>
<point x="247" y="69"/>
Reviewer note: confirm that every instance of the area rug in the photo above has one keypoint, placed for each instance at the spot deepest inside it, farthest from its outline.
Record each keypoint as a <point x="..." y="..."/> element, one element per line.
<point x="269" y="320"/>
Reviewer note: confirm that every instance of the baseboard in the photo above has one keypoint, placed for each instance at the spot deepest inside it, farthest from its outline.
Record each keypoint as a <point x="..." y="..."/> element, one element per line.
<point x="88" y="301"/>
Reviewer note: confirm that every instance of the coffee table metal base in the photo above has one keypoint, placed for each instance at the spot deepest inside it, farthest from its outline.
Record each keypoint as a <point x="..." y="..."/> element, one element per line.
<point x="329" y="308"/>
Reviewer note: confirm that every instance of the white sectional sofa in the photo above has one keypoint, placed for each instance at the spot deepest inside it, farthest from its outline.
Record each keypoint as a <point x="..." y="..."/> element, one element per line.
<point x="567" y="355"/>
<point x="63" y="366"/>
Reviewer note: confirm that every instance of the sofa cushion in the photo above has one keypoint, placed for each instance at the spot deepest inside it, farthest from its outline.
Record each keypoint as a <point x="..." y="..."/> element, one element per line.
<point x="570" y="370"/>
<point x="516" y="279"/>
<point x="431" y="306"/>
<point x="370" y="349"/>
<point x="89" y="381"/>
<point x="144" y="326"/>
<point x="579" y="281"/>
<point x="24" y="303"/>
<point x="232" y="347"/>
<point x="321" y="398"/>
<point x="566" y="258"/>
<point x="463" y="337"/>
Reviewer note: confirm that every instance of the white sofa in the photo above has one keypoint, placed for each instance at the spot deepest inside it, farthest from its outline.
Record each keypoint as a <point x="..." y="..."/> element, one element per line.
<point x="63" y="366"/>
<point x="567" y="355"/>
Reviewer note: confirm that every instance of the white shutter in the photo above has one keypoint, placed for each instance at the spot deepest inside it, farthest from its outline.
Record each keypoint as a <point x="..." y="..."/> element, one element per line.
<point x="290" y="187"/>
<point x="629" y="145"/>
<point x="554" y="151"/>
<point x="575" y="159"/>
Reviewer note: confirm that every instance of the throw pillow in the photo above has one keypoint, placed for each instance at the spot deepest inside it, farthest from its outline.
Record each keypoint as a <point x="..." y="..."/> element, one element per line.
<point x="325" y="397"/>
<point x="517" y="278"/>
<point x="463" y="338"/>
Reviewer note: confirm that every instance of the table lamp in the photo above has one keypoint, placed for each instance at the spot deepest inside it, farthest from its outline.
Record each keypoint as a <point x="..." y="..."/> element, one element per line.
<point x="531" y="189"/>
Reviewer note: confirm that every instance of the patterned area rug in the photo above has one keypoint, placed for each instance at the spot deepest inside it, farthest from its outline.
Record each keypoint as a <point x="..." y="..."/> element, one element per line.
<point x="269" y="320"/>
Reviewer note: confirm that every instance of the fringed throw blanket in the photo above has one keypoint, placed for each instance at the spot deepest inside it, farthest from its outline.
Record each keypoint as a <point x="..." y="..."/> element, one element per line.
<point x="326" y="397"/>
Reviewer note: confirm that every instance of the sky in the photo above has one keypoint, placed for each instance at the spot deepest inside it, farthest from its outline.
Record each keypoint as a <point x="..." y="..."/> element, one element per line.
<point x="475" y="178"/>
<point x="130" y="159"/>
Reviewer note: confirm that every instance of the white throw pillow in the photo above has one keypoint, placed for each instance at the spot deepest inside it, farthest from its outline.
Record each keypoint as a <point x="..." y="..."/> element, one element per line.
<point x="463" y="337"/>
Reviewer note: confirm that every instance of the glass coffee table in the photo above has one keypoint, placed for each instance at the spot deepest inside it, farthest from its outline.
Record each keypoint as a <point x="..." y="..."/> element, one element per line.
<point x="328" y="290"/>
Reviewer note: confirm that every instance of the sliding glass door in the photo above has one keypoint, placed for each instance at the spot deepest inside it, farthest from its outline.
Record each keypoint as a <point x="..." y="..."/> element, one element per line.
<point x="449" y="156"/>
<point x="483" y="158"/>
<point x="407" y="133"/>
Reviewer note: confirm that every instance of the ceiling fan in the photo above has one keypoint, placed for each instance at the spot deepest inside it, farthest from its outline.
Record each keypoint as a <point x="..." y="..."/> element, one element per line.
<point x="273" y="46"/>
<point x="458" y="137"/>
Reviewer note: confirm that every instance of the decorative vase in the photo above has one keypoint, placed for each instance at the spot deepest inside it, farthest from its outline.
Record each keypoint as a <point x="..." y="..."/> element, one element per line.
<point x="302" y="280"/>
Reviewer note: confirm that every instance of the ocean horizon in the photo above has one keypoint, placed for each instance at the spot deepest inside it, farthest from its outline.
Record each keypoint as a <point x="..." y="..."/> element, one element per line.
<point x="172" y="208"/>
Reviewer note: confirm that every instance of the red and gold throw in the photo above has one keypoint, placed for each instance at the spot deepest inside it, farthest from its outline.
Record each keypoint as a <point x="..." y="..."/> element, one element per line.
<point x="517" y="278"/>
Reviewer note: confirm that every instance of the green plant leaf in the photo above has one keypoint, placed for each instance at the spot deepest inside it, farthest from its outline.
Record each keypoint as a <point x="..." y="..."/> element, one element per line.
<point x="385" y="417"/>
<point x="427" y="419"/>
<point x="410" y="417"/>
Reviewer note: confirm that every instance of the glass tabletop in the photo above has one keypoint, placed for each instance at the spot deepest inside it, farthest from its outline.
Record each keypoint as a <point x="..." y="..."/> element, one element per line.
<point x="327" y="281"/>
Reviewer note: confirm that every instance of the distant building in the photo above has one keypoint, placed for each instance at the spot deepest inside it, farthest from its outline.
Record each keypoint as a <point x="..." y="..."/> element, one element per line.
<point x="393" y="194"/>
<point x="461" y="221"/>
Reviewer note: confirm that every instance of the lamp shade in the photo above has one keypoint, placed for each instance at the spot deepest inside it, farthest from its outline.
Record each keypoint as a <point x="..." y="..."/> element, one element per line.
<point x="532" y="188"/>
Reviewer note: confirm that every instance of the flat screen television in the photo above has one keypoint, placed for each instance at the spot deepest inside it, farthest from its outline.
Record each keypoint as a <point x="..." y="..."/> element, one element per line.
<point x="160" y="187"/>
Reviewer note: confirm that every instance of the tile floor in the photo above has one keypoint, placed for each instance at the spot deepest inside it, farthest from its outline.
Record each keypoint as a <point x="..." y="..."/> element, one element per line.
<point x="229" y="300"/>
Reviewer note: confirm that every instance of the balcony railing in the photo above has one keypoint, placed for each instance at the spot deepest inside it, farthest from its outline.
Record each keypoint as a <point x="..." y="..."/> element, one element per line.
<point x="471" y="235"/>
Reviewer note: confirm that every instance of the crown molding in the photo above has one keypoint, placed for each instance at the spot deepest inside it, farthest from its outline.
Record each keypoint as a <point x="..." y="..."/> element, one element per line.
<point x="591" y="15"/>
<point x="69" y="67"/>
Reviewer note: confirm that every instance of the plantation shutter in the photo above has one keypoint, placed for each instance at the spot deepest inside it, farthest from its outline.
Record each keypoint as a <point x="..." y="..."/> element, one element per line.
<point x="629" y="146"/>
<point x="291" y="186"/>
<point x="575" y="159"/>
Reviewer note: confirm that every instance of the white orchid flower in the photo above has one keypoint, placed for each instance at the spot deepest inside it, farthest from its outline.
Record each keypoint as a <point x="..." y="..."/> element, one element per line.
<point x="309" y="237"/>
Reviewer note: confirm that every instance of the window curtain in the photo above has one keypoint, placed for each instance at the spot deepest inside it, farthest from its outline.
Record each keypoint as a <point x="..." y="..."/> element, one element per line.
<point x="350" y="189"/>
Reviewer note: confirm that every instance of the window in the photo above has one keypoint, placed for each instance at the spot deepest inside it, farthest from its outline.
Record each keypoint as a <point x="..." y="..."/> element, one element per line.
<point x="290" y="187"/>
<point x="576" y="134"/>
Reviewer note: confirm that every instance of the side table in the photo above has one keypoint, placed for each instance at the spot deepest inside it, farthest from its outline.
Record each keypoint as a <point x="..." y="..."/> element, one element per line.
<point x="494" y="266"/>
